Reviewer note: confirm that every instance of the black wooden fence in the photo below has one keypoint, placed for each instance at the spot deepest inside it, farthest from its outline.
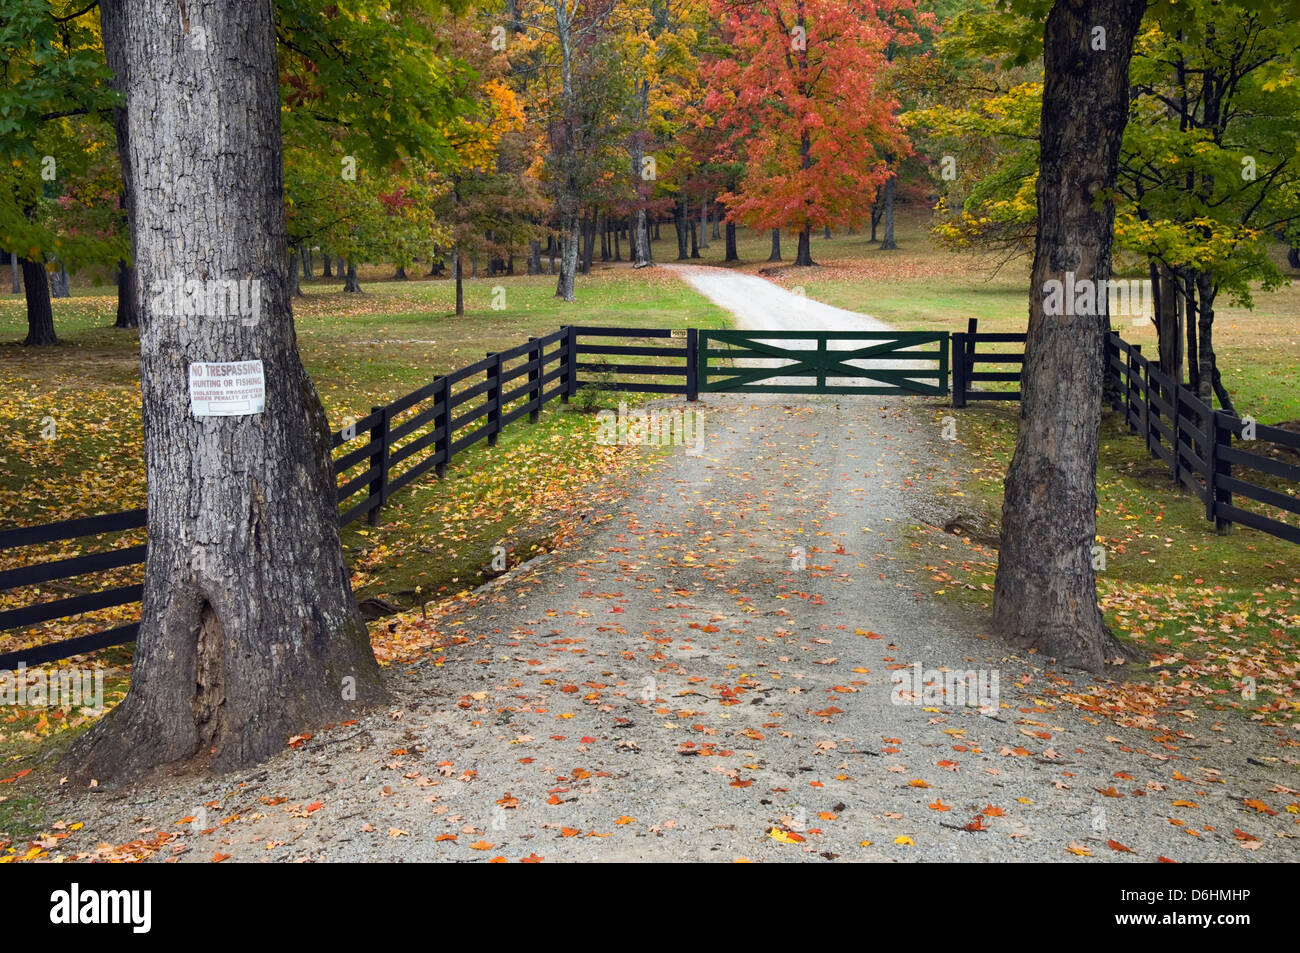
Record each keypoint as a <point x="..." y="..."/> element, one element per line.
<point x="374" y="457"/>
<point x="1229" y="462"/>
<point x="1000" y="365"/>
<point x="397" y="443"/>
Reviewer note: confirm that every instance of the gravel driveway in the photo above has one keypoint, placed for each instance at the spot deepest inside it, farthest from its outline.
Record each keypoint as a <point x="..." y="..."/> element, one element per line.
<point x="711" y="671"/>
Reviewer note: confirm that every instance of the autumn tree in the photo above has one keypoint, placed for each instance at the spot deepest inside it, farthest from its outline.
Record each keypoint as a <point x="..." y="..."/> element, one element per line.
<point x="53" y="70"/>
<point x="803" y="91"/>
<point x="249" y="632"/>
<point x="1045" y="594"/>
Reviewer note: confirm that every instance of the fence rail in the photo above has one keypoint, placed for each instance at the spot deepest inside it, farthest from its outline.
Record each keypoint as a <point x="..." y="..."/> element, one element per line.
<point x="399" y="442"/>
<point x="966" y="358"/>
<point x="1208" y="451"/>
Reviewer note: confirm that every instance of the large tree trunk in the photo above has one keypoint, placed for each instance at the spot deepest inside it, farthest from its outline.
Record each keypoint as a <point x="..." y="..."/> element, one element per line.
<point x="460" y="281"/>
<point x="588" y="243"/>
<point x="535" y="257"/>
<point x="887" y="243"/>
<point x="776" y="245"/>
<point x="1189" y="326"/>
<point x="679" y="224"/>
<point x="249" y="632"/>
<point x="1169" y="327"/>
<point x="350" y="283"/>
<point x="732" y="254"/>
<point x="325" y="265"/>
<point x="641" y="252"/>
<point x="295" y="287"/>
<point x="40" y="315"/>
<point x="803" y="257"/>
<point x="1045" y="597"/>
<point x="61" y="282"/>
<point x="128" y="300"/>
<point x="569" y="238"/>
<point x="704" y="222"/>
<point x="1210" y="382"/>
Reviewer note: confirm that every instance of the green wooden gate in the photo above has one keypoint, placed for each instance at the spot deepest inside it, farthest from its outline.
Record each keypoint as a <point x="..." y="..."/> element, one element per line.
<point x="887" y="362"/>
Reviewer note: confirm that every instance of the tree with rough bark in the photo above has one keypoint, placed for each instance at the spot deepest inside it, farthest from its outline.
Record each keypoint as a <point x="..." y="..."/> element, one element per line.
<point x="53" y="89"/>
<point x="1045" y="593"/>
<point x="1208" y="172"/>
<point x="249" y="632"/>
<point x="810" y="106"/>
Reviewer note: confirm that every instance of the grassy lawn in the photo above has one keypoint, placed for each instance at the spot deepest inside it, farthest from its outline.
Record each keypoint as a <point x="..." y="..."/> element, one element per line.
<point x="1210" y="611"/>
<point x="434" y="538"/>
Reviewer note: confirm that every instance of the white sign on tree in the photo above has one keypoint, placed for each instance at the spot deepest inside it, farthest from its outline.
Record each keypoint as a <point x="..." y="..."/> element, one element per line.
<point x="227" y="389"/>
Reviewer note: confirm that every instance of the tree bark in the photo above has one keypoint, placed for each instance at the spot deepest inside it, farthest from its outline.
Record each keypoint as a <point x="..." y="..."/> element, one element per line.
<point x="732" y="255"/>
<point x="887" y="243"/>
<point x="776" y="245"/>
<point x="704" y="222"/>
<point x="460" y="283"/>
<point x="679" y="225"/>
<point x="588" y="243"/>
<point x="325" y="265"/>
<point x="40" y="315"/>
<point x="535" y="257"/>
<point x="400" y="273"/>
<point x="249" y="633"/>
<point x="1189" y="326"/>
<point x="350" y="283"/>
<point x="17" y="283"/>
<point x="61" y="283"/>
<point x="569" y="238"/>
<point x="1169" y="327"/>
<point x="295" y="288"/>
<point x="128" y="300"/>
<point x="1045" y="595"/>
<point x="640" y="253"/>
<point x="803" y="257"/>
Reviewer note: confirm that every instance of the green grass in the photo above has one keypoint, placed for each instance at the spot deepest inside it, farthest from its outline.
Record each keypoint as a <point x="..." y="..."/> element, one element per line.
<point x="361" y="350"/>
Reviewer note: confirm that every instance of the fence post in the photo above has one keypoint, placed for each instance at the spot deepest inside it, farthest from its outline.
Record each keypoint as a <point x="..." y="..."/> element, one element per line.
<point x="534" y="375"/>
<point x="1147" y="407"/>
<point x="1216" y="469"/>
<point x="1178" y="433"/>
<point x="959" y="369"/>
<point x="493" y="375"/>
<point x="570" y="363"/>
<point x="379" y="458"/>
<point x="972" y="329"/>
<point x="692" y="364"/>
<point x="442" y="420"/>
<point x="1131" y="408"/>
